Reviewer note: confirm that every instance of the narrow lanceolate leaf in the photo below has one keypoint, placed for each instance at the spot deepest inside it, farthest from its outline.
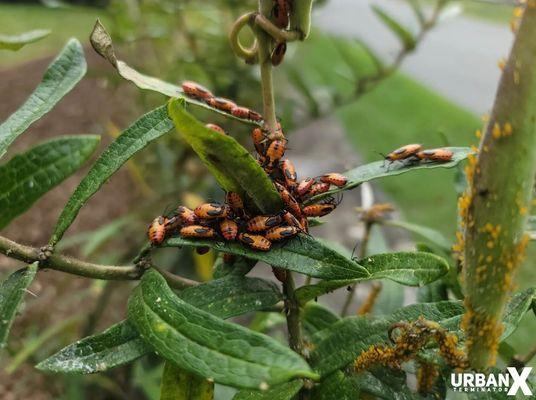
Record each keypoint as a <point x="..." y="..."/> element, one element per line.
<point x="102" y="44"/>
<point x="303" y="254"/>
<point x="146" y="129"/>
<point x="12" y="292"/>
<point x="180" y="385"/>
<point x="380" y="169"/>
<point x="316" y="318"/>
<point x="230" y="163"/>
<point x="16" y="42"/>
<point x="205" y="345"/>
<point x="117" y="345"/>
<point x="531" y="227"/>
<point x="358" y="333"/>
<point x="121" y="343"/>
<point x="61" y="76"/>
<point x="283" y="391"/>
<point x="28" y="176"/>
<point x="401" y="32"/>
<point x="412" y="269"/>
<point x="435" y="237"/>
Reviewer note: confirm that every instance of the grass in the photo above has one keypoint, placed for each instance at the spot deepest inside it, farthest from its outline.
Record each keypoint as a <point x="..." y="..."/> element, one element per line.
<point x="64" y="24"/>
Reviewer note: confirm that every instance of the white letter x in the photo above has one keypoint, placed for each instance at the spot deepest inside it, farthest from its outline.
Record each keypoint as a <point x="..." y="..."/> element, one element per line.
<point x="520" y="381"/>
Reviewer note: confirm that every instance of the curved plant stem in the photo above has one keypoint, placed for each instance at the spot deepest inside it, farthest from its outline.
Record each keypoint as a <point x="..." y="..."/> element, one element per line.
<point x="86" y="269"/>
<point x="496" y="206"/>
<point x="249" y="55"/>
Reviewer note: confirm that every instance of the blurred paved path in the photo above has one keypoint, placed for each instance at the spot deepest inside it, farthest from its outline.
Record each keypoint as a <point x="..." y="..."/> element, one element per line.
<point x="458" y="58"/>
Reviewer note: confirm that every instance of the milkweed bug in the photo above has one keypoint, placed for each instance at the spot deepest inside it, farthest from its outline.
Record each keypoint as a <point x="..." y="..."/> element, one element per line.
<point x="228" y="229"/>
<point x="211" y="210"/>
<point x="289" y="173"/>
<point x="246" y="113"/>
<point x="318" y="210"/>
<point x="197" y="231"/>
<point x="221" y="104"/>
<point x="216" y="128"/>
<point x="259" y="140"/>
<point x="202" y="250"/>
<point x="256" y="242"/>
<point x="278" y="53"/>
<point x="291" y="220"/>
<point x="404" y="152"/>
<point x="263" y="222"/>
<point x="304" y="186"/>
<point x="280" y="12"/>
<point x="157" y="230"/>
<point x="186" y="215"/>
<point x="196" y="91"/>
<point x="334" y="179"/>
<point x="281" y="233"/>
<point x="274" y="152"/>
<point x="317" y="188"/>
<point x="435" y="155"/>
<point x="235" y="202"/>
<point x="289" y="200"/>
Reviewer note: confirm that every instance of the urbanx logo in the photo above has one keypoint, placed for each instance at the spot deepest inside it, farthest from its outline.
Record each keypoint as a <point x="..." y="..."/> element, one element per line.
<point x="510" y="382"/>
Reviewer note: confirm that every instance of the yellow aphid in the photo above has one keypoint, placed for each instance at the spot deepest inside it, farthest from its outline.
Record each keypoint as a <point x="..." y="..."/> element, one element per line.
<point x="501" y="63"/>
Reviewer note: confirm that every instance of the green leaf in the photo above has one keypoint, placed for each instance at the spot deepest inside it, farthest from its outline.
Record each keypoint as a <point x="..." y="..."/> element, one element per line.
<point x="180" y="385"/>
<point x="203" y="344"/>
<point x="16" y="42"/>
<point x="531" y="227"/>
<point x="384" y="383"/>
<point x="121" y="343"/>
<point x="28" y="176"/>
<point x="12" y="292"/>
<point x="232" y="295"/>
<point x="303" y="254"/>
<point x="231" y="164"/>
<point x="411" y="268"/>
<point x="330" y="356"/>
<point x="146" y="129"/>
<point x="336" y="386"/>
<point x="102" y="44"/>
<point x="117" y="345"/>
<point x="381" y="169"/>
<point x="284" y="391"/>
<point x="431" y="235"/>
<point x="418" y="11"/>
<point x="61" y="76"/>
<point x="316" y="317"/>
<point x="240" y="267"/>
<point x="401" y="32"/>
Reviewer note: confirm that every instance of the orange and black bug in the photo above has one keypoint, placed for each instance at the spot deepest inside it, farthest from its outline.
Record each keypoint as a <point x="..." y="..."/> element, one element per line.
<point x="334" y="179"/>
<point x="259" y="140"/>
<point x="304" y="186"/>
<point x="221" y="104"/>
<point x="318" y="188"/>
<point x="157" y="230"/>
<point x="404" y="152"/>
<point x="318" y="210"/>
<point x="281" y="12"/>
<point x="186" y="215"/>
<point x="289" y="173"/>
<point x="291" y="220"/>
<point x="229" y="258"/>
<point x="263" y="222"/>
<point x="235" y="202"/>
<point x="281" y="233"/>
<point x="246" y="113"/>
<point x="197" y="91"/>
<point x="228" y="229"/>
<point x="202" y="250"/>
<point x="288" y="199"/>
<point x="278" y="53"/>
<point x="216" y="128"/>
<point x="435" y="155"/>
<point x="256" y="242"/>
<point x="211" y="210"/>
<point x="274" y="152"/>
<point x="198" y="231"/>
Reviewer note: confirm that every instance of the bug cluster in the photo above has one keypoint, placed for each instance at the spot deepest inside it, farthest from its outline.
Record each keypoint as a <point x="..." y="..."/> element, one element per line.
<point x="281" y="16"/>
<point x="412" y="153"/>
<point x="231" y="221"/>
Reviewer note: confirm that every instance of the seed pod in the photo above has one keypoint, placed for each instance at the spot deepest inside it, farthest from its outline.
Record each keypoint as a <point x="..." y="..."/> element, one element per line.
<point x="197" y="231"/>
<point x="228" y="229"/>
<point x="195" y="90"/>
<point x="157" y="230"/>
<point x="263" y="222"/>
<point x="211" y="210"/>
<point x="256" y="242"/>
<point x="334" y="179"/>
